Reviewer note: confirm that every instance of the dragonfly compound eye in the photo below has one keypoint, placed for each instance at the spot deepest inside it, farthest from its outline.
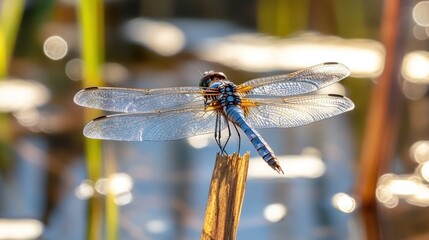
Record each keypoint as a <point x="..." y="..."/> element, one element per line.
<point x="205" y="81"/>
<point x="211" y="76"/>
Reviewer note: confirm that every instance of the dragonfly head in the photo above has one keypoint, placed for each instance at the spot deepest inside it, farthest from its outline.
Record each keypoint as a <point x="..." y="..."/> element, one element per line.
<point x="210" y="77"/>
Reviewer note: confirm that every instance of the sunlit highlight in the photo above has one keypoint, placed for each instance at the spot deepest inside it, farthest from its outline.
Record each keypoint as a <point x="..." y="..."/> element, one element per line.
<point x="102" y="186"/>
<point x="420" y="13"/>
<point x="74" y="69"/>
<point x="85" y="190"/>
<point x="420" y="33"/>
<point x="421" y="198"/>
<point x="415" y="67"/>
<point x="252" y="52"/>
<point x="156" y="226"/>
<point x="123" y="198"/>
<point x="393" y="187"/>
<point x="11" y="229"/>
<point x="28" y="117"/>
<point x="160" y="37"/>
<point x="119" y="183"/>
<point x="344" y="202"/>
<point x="199" y="141"/>
<point x="55" y="47"/>
<point x="424" y="171"/>
<point x="413" y="90"/>
<point x="385" y="196"/>
<point x="19" y="95"/>
<point x="275" y="212"/>
<point x="115" y="73"/>
<point x="419" y="151"/>
<point x="403" y="187"/>
<point x="296" y="166"/>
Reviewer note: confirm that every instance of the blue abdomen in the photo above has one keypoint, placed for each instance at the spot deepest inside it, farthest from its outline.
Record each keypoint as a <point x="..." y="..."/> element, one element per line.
<point x="235" y="114"/>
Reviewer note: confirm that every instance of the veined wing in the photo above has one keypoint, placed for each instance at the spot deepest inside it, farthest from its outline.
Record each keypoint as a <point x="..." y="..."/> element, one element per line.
<point x="138" y="100"/>
<point x="294" y="111"/>
<point x="296" y="83"/>
<point x="154" y="126"/>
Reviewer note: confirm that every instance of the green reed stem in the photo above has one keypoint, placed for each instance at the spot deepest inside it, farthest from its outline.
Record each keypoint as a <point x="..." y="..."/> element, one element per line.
<point x="282" y="17"/>
<point x="91" y="16"/>
<point x="10" y="19"/>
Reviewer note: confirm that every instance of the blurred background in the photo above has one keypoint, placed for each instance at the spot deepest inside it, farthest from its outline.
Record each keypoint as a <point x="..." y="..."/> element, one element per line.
<point x="361" y="175"/>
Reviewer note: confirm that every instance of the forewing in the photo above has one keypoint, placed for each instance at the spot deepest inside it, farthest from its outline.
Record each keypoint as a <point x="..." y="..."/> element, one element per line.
<point x="154" y="126"/>
<point x="138" y="100"/>
<point x="296" y="83"/>
<point x="294" y="111"/>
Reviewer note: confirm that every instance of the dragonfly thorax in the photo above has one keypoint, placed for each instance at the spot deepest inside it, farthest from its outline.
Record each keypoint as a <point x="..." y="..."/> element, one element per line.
<point x="228" y="93"/>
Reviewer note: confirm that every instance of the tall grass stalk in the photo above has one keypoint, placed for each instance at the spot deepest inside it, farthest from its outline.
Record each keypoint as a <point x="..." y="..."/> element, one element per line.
<point x="282" y="17"/>
<point x="10" y="19"/>
<point x="91" y="18"/>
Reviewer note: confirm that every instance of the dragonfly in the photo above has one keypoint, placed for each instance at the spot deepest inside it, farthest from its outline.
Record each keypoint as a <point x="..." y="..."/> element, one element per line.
<point x="162" y="114"/>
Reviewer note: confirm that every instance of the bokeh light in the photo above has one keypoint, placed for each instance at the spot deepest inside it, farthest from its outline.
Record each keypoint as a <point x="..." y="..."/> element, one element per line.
<point x="253" y="52"/>
<point x="123" y="198"/>
<point x="420" y="33"/>
<point x="28" y="117"/>
<point x="420" y="13"/>
<point x="415" y="67"/>
<point x="74" y="69"/>
<point x="391" y="188"/>
<point x="19" y="95"/>
<point x="85" y="190"/>
<point x="200" y="141"/>
<point x="102" y="186"/>
<point x="55" y="47"/>
<point x="115" y="73"/>
<point x="423" y="170"/>
<point x="344" y="202"/>
<point x="156" y="226"/>
<point x="119" y="183"/>
<point x="160" y="37"/>
<point x="414" y="91"/>
<point x="275" y="212"/>
<point x="298" y="166"/>
<point x="419" y="151"/>
<point x="11" y="229"/>
<point x="385" y="196"/>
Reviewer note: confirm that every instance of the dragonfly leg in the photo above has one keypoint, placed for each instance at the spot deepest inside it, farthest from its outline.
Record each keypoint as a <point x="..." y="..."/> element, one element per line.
<point x="239" y="138"/>
<point x="227" y="139"/>
<point x="217" y="134"/>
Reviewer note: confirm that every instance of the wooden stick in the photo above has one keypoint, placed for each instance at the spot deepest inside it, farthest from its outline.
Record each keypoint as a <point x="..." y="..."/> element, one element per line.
<point x="380" y="137"/>
<point x="225" y="197"/>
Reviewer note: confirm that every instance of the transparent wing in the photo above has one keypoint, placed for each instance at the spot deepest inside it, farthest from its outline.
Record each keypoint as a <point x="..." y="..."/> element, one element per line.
<point x="154" y="126"/>
<point x="295" y="111"/>
<point x="137" y="100"/>
<point x="296" y="83"/>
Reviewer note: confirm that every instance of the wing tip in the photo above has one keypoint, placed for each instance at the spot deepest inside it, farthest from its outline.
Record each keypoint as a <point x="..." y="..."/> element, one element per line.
<point x="81" y="97"/>
<point x="88" y="130"/>
<point x="99" y="118"/>
<point x="90" y="88"/>
<point x="336" y="95"/>
<point x="346" y="69"/>
<point x="351" y="104"/>
<point x="77" y="96"/>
